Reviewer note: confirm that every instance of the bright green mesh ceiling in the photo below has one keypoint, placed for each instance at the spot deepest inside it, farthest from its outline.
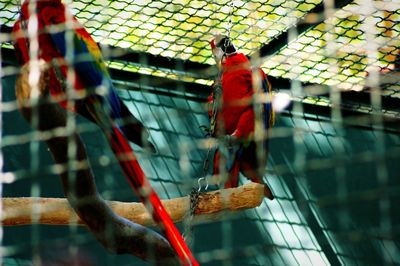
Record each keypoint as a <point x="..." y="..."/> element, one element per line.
<point x="181" y="29"/>
<point x="339" y="51"/>
<point x="332" y="53"/>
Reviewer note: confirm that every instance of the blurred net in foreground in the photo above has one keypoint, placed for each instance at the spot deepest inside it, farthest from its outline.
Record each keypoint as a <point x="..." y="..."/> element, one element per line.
<point x="333" y="162"/>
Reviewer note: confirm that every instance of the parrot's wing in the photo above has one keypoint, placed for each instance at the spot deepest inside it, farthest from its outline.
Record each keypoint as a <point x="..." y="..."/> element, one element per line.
<point x="79" y="49"/>
<point x="75" y="44"/>
<point x="84" y="55"/>
<point x="91" y="69"/>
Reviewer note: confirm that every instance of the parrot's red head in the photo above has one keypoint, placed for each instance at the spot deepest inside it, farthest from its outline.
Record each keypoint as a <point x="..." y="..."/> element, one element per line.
<point x="222" y="46"/>
<point x="38" y="5"/>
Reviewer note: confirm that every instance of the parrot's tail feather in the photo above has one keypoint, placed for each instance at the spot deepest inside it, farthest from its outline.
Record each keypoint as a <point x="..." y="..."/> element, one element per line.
<point x="256" y="176"/>
<point x="137" y="179"/>
<point x="268" y="192"/>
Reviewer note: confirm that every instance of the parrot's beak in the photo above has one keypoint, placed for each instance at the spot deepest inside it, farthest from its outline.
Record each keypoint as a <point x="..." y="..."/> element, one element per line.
<point x="217" y="54"/>
<point x="218" y="59"/>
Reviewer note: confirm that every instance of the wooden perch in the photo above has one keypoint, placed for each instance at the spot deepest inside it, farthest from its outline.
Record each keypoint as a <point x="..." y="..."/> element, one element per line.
<point x="56" y="211"/>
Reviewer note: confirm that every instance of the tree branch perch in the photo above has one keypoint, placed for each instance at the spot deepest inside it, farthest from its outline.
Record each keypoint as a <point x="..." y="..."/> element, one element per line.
<point x="57" y="211"/>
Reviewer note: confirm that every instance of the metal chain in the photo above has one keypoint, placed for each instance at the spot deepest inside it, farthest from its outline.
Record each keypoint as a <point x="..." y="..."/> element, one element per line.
<point x="228" y="34"/>
<point x="195" y="193"/>
<point x="188" y="231"/>
<point x="230" y="19"/>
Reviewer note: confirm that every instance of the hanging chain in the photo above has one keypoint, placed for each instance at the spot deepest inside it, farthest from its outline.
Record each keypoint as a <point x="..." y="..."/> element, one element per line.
<point x="195" y="193"/>
<point x="230" y="15"/>
<point x="217" y="93"/>
<point x="228" y="33"/>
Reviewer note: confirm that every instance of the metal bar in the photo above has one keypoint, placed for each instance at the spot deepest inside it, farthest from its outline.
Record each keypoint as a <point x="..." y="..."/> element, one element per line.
<point x="160" y="82"/>
<point x="165" y="86"/>
<point x="351" y="118"/>
<point x="142" y="58"/>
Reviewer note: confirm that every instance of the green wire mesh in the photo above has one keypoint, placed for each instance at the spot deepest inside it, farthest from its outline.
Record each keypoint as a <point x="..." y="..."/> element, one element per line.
<point x="337" y="53"/>
<point x="181" y="29"/>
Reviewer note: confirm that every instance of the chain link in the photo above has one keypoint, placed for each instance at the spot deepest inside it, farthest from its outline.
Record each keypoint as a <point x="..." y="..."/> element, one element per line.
<point x="195" y="193"/>
<point x="188" y="230"/>
<point x="230" y="15"/>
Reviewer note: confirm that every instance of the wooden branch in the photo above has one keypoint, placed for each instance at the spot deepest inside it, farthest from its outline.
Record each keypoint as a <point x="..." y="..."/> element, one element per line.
<point x="56" y="211"/>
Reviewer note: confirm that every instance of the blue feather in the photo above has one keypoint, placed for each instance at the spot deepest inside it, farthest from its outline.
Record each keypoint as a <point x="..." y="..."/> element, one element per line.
<point x="267" y="106"/>
<point x="88" y="68"/>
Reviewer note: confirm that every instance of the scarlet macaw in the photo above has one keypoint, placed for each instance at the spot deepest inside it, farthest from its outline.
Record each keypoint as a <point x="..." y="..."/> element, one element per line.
<point x="235" y="117"/>
<point x="71" y="54"/>
<point x="72" y="48"/>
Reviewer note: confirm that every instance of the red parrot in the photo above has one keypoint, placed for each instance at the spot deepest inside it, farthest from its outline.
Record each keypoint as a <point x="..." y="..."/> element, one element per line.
<point x="92" y="93"/>
<point x="234" y="118"/>
<point x="91" y="79"/>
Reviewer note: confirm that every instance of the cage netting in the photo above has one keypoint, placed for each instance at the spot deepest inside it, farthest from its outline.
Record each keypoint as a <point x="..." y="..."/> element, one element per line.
<point x="333" y="153"/>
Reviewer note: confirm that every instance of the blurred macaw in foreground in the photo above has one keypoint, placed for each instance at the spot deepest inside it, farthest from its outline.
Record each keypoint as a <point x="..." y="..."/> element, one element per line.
<point x="233" y="116"/>
<point x="92" y="94"/>
<point x="75" y="76"/>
